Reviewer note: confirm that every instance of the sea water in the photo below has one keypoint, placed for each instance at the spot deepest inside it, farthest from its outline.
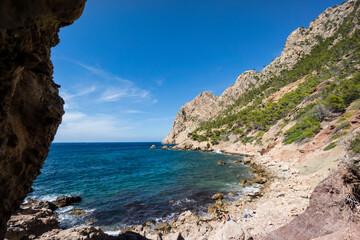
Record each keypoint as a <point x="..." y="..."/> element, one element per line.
<point x="129" y="184"/>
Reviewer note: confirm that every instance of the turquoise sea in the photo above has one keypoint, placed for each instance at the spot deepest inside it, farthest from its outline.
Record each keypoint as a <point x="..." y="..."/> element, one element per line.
<point x="127" y="183"/>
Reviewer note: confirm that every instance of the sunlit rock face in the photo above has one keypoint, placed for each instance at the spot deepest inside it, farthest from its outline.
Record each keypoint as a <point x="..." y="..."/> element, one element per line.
<point x="30" y="105"/>
<point x="299" y="43"/>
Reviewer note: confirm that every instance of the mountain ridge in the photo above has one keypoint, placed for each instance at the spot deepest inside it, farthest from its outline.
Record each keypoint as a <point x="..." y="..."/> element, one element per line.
<point x="298" y="44"/>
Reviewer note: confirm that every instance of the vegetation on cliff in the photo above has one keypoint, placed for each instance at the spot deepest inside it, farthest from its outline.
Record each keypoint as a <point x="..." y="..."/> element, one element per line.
<point x="330" y="86"/>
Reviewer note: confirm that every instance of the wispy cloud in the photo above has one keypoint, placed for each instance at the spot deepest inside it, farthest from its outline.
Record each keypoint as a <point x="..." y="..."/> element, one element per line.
<point x="117" y="87"/>
<point x="135" y="112"/>
<point x="78" y="126"/>
<point x="69" y="97"/>
<point x="125" y="91"/>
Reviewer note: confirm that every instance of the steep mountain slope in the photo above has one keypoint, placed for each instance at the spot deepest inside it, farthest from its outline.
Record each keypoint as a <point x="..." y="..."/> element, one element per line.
<point x="298" y="45"/>
<point x="299" y="118"/>
<point x="203" y="107"/>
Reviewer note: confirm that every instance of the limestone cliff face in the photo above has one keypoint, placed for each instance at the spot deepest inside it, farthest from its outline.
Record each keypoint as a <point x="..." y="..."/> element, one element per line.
<point x="30" y="106"/>
<point x="299" y="43"/>
<point x="203" y="107"/>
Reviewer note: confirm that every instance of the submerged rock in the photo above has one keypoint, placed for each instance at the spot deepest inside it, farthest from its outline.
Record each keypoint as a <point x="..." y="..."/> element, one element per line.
<point x="77" y="212"/>
<point x="64" y="201"/>
<point x="221" y="163"/>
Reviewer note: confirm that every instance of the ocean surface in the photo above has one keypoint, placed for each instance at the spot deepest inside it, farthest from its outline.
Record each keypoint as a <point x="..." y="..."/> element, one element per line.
<point x="127" y="183"/>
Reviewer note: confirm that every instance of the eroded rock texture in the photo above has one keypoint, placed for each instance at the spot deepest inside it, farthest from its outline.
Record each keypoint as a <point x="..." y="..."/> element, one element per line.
<point x="333" y="212"/>
<point x="30" y="106"/>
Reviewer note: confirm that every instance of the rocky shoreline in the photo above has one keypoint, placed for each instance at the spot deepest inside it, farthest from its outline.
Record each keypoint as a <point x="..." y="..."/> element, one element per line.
<point x="37" y="219"/>
<point x="285" y="194"/>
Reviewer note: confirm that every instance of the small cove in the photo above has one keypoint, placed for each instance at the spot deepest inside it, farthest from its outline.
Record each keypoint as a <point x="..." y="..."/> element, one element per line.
<point x="128" y="184"/>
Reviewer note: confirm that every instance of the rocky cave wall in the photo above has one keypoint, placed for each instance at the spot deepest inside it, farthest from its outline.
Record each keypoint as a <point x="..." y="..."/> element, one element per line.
<point x="30" y="106"/>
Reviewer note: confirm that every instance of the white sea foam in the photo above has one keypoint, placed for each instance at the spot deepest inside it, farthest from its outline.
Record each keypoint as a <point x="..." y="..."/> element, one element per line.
<point x="113" y="233"/>
<point x="251" y="189"/>
<point x="217" y="151"/>
<point x="49" y="198"/>
<point x="184" y="200"/>
<point x="168" y="218"/>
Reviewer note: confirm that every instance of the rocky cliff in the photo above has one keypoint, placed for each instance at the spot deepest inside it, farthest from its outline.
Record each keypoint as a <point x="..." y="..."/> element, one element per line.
<point x="30" y="106"/>
<point x="299" y="43"/>
<point x="299" y="118"/>
<point x="193" y="113"/>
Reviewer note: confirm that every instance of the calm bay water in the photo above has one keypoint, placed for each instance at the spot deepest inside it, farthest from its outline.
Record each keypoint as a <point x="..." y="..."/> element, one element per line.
<point x="127" y="183"/>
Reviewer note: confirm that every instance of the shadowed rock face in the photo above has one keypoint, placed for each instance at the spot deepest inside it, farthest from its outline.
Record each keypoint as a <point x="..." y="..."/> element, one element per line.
<point x="30" y="105"/>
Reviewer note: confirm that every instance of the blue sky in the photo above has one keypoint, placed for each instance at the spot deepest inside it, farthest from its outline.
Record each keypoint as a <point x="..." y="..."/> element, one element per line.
<point x="127" y="66"/>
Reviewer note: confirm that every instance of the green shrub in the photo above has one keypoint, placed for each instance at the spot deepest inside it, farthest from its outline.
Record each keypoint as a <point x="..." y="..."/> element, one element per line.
<point x="355" y="144"/>
<point x="304" y="128"/>
<point x="330" y="146"/>
<point x="335" y="103"/>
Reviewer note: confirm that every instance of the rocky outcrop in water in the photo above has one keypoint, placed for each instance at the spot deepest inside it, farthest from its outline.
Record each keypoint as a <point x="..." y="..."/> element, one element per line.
<point x="30" y="106"/>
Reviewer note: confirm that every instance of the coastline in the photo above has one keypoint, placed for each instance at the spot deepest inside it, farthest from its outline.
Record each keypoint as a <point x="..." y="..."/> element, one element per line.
<point x="284" y="195"/>
<point x="62" y="213"/>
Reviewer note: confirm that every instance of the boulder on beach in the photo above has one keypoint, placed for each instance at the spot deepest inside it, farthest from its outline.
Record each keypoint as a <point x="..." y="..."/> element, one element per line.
<point x="163" y="227"/>
<point x="259" y="180"/>
<point x="230" y="194"/>
<point x="152" y="147"/>
<point x="217" y="196"/>
<point x="204" y="146"/>
<point x="64" y="201"/>
<point x="231" y="230"/>
<point x="38" y="204"/>
<point x="221" y="163"/>
<point x="247" y="160"/>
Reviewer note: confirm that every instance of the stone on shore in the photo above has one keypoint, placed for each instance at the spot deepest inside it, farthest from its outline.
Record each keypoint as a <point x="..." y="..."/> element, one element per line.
<point x="30" y="221"/>
<point x="217" y="196"/>
<point x="83" y="232"/>
<point x="204" y="146"/>
<point x="259" y="180"/>
<point x="229" y="230"/>
<point x="64" y="201"/>
<point x="163" y="227"/>
<point x="247" y="160"/>
<point x="38" y="204"/>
